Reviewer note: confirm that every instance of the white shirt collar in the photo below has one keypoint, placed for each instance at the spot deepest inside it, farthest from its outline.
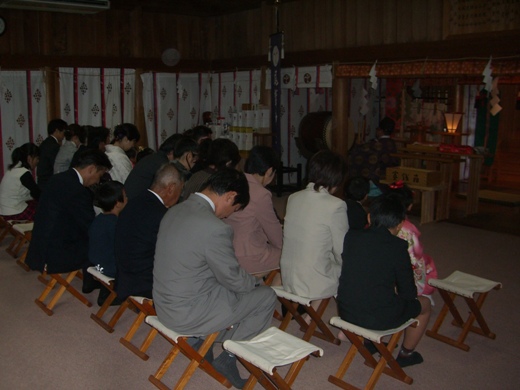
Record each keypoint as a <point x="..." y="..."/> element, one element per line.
<point x="208" y="199"/>
<point x="158" y="197"/>
<point x="79" y="176"/>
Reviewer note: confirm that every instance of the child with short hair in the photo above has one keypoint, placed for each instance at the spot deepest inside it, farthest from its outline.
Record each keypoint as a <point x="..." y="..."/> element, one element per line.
<point x="111" y="198"/>
<point x="423" y="266"/>
<point x="356" y="192"/>
<point x="376" y="287"/>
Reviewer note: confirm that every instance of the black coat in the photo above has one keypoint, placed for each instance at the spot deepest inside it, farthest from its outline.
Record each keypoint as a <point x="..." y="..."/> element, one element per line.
<point x="141" y="177"/>
<point x="376" y="282"/>
<point x="136" y="236"/>
<point x="63" y="217"/>
<point x="49" y="148"/>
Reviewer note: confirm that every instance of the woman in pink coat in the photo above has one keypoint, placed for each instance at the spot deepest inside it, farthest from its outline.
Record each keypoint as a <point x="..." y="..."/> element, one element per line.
<point x="257" y="230"/>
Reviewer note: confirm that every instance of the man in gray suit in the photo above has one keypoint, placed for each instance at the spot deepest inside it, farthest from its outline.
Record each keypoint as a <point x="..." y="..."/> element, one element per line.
<point x="199" y="288"/>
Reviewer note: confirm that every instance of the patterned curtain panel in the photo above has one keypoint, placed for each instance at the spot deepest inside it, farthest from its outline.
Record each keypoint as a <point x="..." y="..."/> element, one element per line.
<point x="166" y="105"/>
<point x="128" y="95"/>
<point x="111" y="99"/>
<point x="206" y="97"/>
<point x="188" y="89"/>
<point x="243" y="88"/>
<point x="226" y="95"/>
<point x="97" y="96"/>
<point x="149" y="109"/>
<point x="22" y="111"/>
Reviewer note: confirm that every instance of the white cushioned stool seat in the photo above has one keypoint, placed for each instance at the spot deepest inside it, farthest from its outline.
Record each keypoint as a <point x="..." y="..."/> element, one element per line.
<point x="154" y="321"/>
<point x="280" y="292"/>
<point x="100" y="276"/>
<point x="464" y="284"/>
<point x="267" y="351"/>
<point x="371" y="334"/>
<point x="473" y="289"/>
<point x="272" y="348"/>
<point x="22" y="228"/>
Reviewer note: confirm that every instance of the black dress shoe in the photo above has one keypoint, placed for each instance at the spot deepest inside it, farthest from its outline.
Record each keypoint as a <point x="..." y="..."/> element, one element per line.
<point x="89" y="283"/>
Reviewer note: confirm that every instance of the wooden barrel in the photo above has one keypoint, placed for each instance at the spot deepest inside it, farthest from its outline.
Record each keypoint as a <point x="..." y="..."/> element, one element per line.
<point x="315" y="133"/>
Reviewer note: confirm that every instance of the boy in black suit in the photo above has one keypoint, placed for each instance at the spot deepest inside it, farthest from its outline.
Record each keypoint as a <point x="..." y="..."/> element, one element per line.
<point x="376" y="287"/>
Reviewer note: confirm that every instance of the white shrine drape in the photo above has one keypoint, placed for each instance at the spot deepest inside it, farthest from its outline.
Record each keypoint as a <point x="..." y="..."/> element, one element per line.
<point x="23" y="111"/>
<point x="188" y="89"/>
<point x="97" y="96"/>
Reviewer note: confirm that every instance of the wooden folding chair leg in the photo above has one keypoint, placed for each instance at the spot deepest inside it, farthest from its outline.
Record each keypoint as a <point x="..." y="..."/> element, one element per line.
<point x="196" y="360"/>
<point x="64" y="286"/>
<point x="324" y="332"/>
<point x="21" y="261"/>
<point x="98" y="317"/>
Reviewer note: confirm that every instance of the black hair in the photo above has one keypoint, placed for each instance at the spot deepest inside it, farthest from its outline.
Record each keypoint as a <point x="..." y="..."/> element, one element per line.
<point x="56" y="124"/>
<point x="127" y="130"/>
<point x="108" y="194"/>
<point x="184" y="145"/>
<point x="96" y="135"/>
<point x="260" y="159"/>
<point x="78" y="131"/>
<point x="386" y="211"/>
<point x="326" y="169"/>
<point x="221" y="152"/>
<point x="199" y="132"/>
<point x="357" y="188"/>
<point x="169" y="143"/>
<point x="21" y="153"/>
<point x="387" y="125"/>
<point x="131" y="153"/>
<point x="93" y="157"/>
<point x="403" y="192"/>
<point x="226" y="180"/>
<point x="143" y="153"/>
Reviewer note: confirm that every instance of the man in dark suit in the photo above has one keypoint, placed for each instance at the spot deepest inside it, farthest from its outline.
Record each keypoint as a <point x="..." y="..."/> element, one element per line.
<point x="49" y="148"/>
<point x="136" y="232"/>
<point x="141" y="177"/>
<point x="65" y="211"/>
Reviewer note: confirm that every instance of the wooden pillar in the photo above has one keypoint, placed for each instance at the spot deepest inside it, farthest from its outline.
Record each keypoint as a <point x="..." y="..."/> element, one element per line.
<point x="139" y="114"/>
<point x="52" y="88"/>
<point x="340" y="103"/>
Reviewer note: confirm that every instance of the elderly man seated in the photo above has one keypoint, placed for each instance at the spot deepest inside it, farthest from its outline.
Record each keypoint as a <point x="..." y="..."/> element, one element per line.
<point x="136" y="232"/>
<point x="199" y="287"/>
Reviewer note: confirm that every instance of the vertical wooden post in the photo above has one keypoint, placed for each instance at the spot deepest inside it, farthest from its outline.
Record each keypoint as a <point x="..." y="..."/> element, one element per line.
<point x="139" y="114"/>
<point x="340" y="104"/>
<point x="52" y="87"/>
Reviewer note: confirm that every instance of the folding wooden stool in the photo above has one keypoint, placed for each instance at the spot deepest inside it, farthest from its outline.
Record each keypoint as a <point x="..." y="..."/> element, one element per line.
<point x="386" y="363"/>
<point x="144" y="307"/>
<point x="180" y="344"/>
<point x="291" y="302"/>
<point x="5" y="227"/>
<point x="64" y="286"/>
<point x="468" y="287"/>
<point x="22" y="233"/>
<point x="267" y="351"/>
<point x="108" y="283"/>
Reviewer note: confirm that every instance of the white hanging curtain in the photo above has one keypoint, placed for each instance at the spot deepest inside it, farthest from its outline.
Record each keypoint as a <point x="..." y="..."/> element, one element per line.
<point x="226" y="99"/>
<point x="38" y="107"/>
<point x="256" y="79"/>
<point x="149" y="109"/>
<point x="206" y="96"/>
<point x="88" y="92"/>
<point x="188" y="96"/>
<point x="22" y="111"/>
<point x="242" y="89"/>
<point x="128" y="95"/>
<point x="166" y="105"/>
<point x="67" y="104"/>
<point x="111" y="82"/>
